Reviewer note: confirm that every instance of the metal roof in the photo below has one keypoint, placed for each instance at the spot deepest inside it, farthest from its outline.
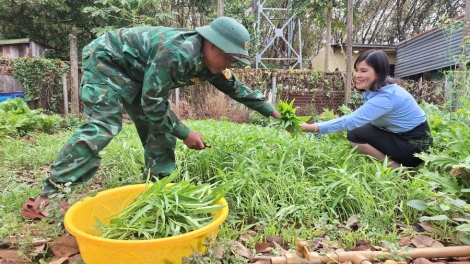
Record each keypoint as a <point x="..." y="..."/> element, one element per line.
<point x="431" y="50"/>
<point x="14" y="41"/>
<point x="22" y="41"/>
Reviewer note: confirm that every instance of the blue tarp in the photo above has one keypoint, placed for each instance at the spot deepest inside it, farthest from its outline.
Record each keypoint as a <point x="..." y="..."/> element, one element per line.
<point x="13" y="95"/>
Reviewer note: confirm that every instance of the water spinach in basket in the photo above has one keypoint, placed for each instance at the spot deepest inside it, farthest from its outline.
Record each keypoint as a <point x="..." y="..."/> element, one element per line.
<point x="163" y="211"/>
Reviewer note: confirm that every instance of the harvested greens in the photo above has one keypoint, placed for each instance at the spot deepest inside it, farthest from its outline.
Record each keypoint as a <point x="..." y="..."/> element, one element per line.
<point x="289" y="120"/>
<point x="163" y="211"/>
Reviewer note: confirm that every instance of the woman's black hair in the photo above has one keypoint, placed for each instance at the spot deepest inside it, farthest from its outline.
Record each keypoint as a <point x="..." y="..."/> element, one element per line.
<point x="378" y="60"/>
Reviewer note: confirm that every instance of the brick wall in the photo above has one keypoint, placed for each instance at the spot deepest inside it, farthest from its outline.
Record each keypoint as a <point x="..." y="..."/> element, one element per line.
<point x="308" y="103"/>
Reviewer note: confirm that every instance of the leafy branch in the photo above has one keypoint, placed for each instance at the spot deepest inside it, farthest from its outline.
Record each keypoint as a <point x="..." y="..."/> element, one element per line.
<point x="38" y="75"/>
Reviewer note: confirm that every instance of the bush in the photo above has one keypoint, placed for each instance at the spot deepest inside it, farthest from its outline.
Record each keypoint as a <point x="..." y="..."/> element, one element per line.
<point x="258" y="119"/>
<point x="16" y="119"/>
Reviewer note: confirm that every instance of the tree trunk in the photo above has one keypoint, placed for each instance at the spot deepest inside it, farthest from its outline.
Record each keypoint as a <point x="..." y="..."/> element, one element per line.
<point x="220" y="8"/>
<point x="193" y="15"/>
<point x="347" y="88"/>
<point x="399" y="13"/>
<point x="464" y="45"/>
<point x="329" y="15"/>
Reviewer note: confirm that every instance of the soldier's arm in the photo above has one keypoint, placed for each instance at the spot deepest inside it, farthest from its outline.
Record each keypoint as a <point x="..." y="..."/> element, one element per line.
<point x="158" y="80"/>
<point x="227" y="83"/>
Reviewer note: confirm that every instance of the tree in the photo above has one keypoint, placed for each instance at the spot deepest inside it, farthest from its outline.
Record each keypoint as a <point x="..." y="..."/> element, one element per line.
<point x="374" y="21"/>
<point x="47" y="21"/>
<point x="379" y="21"/>
<point x="316" y="10"/>
<point x="347" y="88"/>
<point x="329" y="17"/>
<point x="464" y="44"/>
<point x="220" y="8"/>
<point x="127" y="13"/>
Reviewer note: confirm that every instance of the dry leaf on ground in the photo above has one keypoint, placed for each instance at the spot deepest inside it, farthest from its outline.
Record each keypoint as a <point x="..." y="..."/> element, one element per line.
<point x="60" y="261"/>
<point x="421" y="261"/>
<point x="421" y="241"/>
<point x="65" y="246"/>
<point x="240" y="250"/>
<point x="11" y="256"/>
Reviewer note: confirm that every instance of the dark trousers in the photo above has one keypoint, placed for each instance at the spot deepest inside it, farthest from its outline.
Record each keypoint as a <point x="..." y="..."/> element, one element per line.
<point x="400" y="147"/>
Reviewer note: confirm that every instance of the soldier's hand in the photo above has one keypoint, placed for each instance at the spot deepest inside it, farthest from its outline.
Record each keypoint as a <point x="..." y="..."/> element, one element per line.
<point x="276" y="114"/>
<point x="194" y="140"/>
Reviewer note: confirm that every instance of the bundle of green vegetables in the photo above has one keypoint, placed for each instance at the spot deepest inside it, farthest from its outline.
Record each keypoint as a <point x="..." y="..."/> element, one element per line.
<point x="289" y="120"/>
<point x="163" y="211"/>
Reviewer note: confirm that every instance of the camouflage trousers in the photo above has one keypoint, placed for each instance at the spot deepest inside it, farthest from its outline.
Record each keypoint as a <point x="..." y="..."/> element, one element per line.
<point x="79" y="158"/>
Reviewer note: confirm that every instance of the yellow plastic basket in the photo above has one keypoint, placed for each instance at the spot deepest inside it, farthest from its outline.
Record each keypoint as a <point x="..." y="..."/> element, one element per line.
<point x="80" y="218"/>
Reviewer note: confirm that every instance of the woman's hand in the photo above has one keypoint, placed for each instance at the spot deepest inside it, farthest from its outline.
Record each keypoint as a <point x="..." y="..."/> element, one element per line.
<point x="309" y="127"/>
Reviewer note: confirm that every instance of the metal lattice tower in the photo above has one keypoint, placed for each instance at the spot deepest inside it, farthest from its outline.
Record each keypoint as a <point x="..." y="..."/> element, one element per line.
<point x="292" y="55"/>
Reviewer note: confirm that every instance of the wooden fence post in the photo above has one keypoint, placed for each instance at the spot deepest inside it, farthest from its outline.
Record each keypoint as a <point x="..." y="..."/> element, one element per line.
<point x="220" y="8"/>
<point x="66" y="95"/>
<point x="177" y="97"/>
<point x="272" y="98"/>
<point x="74" y="74"/>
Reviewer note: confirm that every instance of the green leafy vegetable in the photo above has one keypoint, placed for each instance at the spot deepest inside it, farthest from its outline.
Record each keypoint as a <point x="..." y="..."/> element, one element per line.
<point x="289" y="120"/>
<point x="16" y="119"/>
<point x="165" y="210"/>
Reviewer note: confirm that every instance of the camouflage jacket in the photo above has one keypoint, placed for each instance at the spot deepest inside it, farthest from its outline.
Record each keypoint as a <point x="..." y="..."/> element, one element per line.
<point x="154" y="60"/>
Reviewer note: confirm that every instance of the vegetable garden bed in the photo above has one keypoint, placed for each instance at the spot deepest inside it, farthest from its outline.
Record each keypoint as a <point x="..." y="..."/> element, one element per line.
<point x="314" y="187"/>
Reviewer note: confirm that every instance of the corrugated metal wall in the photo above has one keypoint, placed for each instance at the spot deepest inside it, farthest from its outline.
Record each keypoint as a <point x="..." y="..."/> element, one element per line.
<point x="436" y="49"/>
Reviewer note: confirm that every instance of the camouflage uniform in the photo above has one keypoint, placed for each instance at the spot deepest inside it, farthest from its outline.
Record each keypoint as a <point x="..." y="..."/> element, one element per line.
<point x="135" y="69"/>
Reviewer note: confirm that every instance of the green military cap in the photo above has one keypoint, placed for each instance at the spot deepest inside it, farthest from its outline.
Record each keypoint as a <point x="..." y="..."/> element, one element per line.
<point x="228" y="35"/>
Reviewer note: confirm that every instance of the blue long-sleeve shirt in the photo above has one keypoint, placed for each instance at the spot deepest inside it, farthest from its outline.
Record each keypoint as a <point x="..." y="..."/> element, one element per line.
<point x="392" y="108"/>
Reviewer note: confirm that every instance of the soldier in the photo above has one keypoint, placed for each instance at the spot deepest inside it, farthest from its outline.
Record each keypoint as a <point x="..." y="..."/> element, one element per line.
<point x="135" y="69"/>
